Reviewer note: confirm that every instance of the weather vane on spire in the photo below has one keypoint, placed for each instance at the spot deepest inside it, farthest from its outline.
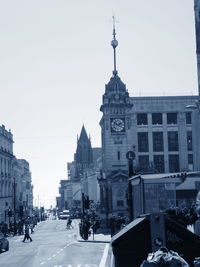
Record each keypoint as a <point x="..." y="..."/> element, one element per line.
<point x="114" y="44"/>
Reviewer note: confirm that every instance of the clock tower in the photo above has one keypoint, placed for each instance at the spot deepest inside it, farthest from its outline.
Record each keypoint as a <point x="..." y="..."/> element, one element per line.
<point x="116" y="139"/>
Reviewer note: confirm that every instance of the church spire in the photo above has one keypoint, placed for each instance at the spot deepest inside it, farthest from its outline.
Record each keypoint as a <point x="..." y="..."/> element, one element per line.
<point x="114" y="44"/>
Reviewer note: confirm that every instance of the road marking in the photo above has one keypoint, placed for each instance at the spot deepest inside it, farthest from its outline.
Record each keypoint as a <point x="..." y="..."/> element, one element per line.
<point x="42" y="263"/>
<point x="104" y="257"/>
<point x="111" y="261"/>
<point x="49" y="259"/>
<point x="53" y="255"/>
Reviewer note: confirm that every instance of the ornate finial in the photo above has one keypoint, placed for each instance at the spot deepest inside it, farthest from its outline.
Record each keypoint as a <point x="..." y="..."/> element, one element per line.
<point x="114" y="44"/>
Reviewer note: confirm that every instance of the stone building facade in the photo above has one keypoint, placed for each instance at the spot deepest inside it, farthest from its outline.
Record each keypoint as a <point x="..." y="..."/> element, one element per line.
<point x="16" y="190"/>
<point x="23" y="188"/>
<point x="6" y="172"/>
<point x="70" y="190"/>
<point x="83" y="158"/>
<point x="160" y="131"/>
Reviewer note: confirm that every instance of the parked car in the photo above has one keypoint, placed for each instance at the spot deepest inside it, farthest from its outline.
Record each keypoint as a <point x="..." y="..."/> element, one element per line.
<point x="4" y="243"/>
<point x="64" y="215"/>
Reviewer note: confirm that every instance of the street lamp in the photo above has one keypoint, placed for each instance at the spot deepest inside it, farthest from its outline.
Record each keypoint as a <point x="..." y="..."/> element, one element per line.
<point x="14" y="205"/>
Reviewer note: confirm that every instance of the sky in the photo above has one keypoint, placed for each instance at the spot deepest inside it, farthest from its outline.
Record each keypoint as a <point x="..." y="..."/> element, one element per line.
<point x="56" y="57"/>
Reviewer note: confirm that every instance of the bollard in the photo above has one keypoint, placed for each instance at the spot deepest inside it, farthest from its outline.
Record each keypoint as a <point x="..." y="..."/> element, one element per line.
<point x="197" y="262"/>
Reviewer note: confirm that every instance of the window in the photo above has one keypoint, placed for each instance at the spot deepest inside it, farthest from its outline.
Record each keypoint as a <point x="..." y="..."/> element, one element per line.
<point x="174" y="163"/>
<point x="143" y="163"/>
<point x="173" y="141"/>
<point x="188" y="117"/>
<point x="171" y="118"/>
<point x="159" y="163"/>
<point x="118" y="155"/>
<point x="190" y="158"/>
<point x="158" y="141"/>
<point x="120" y="203"/>
<point x="143" y="144"/>
<point x="142" y="119"/>
<point x="156" y="118"/>
<point x="189" y="140"/>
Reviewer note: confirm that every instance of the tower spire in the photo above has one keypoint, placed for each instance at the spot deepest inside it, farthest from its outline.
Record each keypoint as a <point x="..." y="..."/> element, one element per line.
<point x="114" y="44"/>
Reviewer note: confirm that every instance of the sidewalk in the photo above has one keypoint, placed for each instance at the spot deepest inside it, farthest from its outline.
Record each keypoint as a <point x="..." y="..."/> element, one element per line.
<point x="98" y="238"/>
<point x="107" y="258"/>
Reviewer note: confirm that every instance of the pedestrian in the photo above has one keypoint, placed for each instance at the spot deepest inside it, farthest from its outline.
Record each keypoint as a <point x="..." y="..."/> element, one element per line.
<point x="112" y="225"/>
<point x="32" y="227"/>
<point x="69" y="223"/>
<point x="26" y="234"/>
<point x="86" y="227"/>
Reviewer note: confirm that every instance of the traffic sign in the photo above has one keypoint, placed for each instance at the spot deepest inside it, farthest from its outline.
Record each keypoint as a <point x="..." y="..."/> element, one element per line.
<point x="92" y="206"/>
<point x="130" y="155"/>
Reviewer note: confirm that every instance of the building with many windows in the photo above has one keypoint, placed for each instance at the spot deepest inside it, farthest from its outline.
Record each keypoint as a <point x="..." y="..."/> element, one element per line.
<point x="6" y="171"/>
<point x="23" y="188"/>
<point x="160" y="131"/>
<point x="16" y="190"/>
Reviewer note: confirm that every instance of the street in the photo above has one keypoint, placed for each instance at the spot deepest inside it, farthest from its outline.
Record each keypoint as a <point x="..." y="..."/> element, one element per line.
<point x="54" y="246"/>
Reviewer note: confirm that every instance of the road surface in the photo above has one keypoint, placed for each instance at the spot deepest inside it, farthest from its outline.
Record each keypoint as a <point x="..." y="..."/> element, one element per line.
<point x="54" y="246"/>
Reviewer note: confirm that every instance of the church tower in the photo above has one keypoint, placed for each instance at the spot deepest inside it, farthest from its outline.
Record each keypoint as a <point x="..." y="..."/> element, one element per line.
<point x="83" y="155"/>
<point x="116" y="139"/>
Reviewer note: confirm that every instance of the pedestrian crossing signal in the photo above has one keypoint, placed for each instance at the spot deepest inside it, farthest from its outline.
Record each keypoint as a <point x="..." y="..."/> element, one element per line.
<point x="87" y="203"/>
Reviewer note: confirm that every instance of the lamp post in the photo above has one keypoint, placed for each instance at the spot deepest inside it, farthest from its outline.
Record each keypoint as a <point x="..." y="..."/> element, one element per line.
<point x="14" y="205"/>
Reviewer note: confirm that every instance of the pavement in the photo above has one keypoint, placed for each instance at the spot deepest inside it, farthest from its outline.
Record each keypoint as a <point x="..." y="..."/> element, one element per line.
<point x="101" y="238"/>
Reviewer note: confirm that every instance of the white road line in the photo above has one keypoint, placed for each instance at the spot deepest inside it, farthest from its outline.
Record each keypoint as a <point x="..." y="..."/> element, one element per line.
<point x="112" y="261"/>
<point x="53" y="255"/>
<point x="104" y="257"/>
<point x="49" y="259"/>
<point x="42" y="263"/>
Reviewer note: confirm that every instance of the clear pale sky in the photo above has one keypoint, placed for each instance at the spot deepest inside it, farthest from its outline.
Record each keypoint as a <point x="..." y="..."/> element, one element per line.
<point x="56" y="57"/>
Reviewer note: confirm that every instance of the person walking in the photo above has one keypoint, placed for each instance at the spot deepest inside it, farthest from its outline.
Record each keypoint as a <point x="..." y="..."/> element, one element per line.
<point x="26" y="234"/>
<point x="69" y="224"/>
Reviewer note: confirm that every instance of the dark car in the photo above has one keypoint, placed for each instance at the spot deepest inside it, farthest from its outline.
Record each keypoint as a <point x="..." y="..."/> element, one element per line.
<point x="4" y="243"/>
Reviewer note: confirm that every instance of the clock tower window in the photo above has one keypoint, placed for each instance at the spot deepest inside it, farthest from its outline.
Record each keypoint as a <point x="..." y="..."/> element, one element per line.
<point x="118" y="155"/>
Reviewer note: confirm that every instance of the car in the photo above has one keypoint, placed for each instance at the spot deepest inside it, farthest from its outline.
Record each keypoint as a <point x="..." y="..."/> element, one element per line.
<point x="4" y="243"/>
<point x="64" y="215"/>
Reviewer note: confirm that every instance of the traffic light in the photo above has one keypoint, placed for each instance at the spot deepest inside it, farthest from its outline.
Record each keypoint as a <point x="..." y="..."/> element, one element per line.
<point x="87" y="203"/>
<point x="21" y="211"/>
<point x="9" y="213"/>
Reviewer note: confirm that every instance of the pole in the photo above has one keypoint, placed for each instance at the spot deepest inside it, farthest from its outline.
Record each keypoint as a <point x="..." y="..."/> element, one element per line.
<point x="130" y="155"/>
<point x="130" y="191"/>
<point x="83" y="203"/>
<point x="14" y="206"/>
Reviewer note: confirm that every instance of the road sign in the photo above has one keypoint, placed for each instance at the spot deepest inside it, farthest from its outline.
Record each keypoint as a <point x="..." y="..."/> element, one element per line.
<point x="130" y="155"/>
<point x="92" y="206"/>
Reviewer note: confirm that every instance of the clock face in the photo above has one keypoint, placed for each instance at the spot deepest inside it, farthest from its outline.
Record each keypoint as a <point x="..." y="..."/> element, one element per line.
<point x="117" y="125"/>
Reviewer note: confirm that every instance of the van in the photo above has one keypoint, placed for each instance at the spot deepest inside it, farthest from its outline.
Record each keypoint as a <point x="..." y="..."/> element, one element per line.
<point x="64" y="215"/>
